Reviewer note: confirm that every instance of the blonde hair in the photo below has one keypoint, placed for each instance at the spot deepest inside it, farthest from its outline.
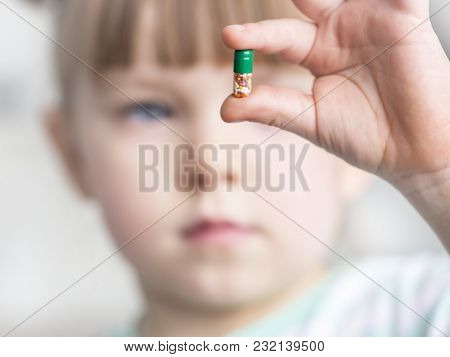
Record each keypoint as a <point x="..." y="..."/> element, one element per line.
<point x="102" y="32"/>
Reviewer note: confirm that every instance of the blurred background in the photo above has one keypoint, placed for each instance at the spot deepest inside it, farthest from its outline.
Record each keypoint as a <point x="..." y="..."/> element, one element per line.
<point x="49" y="237"/>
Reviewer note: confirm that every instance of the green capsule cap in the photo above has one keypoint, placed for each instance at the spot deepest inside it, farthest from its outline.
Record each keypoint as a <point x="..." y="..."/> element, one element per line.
<point x="243" y="61"/>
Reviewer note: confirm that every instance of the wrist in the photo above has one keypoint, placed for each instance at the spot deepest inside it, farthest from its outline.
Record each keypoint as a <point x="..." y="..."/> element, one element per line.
<point x="429" y="193"/>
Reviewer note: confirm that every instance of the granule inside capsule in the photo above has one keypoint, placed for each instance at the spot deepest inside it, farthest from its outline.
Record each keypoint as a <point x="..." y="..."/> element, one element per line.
<point x="242" y="86"/>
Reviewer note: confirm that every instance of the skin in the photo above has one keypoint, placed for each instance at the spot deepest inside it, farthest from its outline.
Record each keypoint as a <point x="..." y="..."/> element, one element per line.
<point x="391" y="117"/>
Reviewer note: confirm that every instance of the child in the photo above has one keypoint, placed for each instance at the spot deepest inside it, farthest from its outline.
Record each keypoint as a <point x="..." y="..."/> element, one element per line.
<point x="223" y="262"/>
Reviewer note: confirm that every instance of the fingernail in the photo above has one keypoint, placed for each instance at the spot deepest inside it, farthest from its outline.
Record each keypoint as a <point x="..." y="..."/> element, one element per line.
<point x="236" y="27"/>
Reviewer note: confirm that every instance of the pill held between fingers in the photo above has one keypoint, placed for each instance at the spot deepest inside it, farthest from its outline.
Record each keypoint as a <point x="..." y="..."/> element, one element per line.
<point x="243" y="73"/>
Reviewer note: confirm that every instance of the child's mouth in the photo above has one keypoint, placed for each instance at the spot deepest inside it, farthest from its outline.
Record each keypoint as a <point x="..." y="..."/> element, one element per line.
<point x="217" y="231"/>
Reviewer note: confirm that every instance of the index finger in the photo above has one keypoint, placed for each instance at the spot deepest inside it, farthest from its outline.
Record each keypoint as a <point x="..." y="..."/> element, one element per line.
<point x="291" y="39"/>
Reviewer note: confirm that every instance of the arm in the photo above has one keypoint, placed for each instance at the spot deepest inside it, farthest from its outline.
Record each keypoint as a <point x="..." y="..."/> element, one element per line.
<point x="430" y="195"/>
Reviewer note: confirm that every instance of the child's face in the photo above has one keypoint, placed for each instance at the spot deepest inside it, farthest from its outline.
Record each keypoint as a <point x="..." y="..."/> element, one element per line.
<point x="263" y="252"/>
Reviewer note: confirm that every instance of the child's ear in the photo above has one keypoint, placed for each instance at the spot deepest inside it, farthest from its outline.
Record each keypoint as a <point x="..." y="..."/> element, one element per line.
<point x="352" y="182"/>
<point x="57" y="129"/>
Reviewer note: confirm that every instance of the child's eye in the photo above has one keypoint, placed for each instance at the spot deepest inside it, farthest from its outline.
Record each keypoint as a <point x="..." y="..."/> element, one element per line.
<point x="148" y="111"/>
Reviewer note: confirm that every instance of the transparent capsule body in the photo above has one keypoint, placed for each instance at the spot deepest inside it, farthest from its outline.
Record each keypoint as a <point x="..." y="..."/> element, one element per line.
<point x="242" y="86"/>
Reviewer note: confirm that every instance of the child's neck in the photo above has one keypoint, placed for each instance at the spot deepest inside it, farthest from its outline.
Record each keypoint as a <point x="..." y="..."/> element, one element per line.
<point x="165" y="318"/>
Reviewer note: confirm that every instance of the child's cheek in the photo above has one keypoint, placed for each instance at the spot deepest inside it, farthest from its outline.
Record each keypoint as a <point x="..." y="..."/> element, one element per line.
<point x="308" y="200"/>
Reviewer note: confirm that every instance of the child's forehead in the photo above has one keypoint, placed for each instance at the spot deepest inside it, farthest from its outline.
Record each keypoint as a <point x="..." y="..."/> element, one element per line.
<point x="151" y="77"/>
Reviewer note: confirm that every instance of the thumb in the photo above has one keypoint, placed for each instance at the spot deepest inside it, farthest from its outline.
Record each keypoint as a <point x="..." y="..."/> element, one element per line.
<point x="280" y="107"/>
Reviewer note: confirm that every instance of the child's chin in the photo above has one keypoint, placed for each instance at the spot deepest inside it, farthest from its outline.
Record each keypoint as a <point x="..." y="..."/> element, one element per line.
<point x="224" y="290"/>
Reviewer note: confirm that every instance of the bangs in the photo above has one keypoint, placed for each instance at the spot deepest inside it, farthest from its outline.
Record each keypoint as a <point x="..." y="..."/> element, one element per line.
<point x="190" y="31"/>
<point x="103" y="33"/>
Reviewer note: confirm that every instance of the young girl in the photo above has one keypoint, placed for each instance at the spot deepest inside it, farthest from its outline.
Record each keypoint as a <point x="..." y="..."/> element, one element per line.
<point x="242" y="262"/>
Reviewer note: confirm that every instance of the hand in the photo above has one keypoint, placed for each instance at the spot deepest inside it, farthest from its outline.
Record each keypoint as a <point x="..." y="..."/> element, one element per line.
<point x="391" y="116"/>
<point x="381" y="97"/>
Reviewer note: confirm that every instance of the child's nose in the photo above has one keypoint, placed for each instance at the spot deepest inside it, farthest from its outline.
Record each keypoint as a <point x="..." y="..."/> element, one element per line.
<point x="217" y="148"/>
<point x="208" y="128"/>
<point x="217" y="167"/>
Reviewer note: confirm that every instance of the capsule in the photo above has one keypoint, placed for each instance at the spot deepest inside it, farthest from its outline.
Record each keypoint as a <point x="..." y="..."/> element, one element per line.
<point x="243" y="69"/>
